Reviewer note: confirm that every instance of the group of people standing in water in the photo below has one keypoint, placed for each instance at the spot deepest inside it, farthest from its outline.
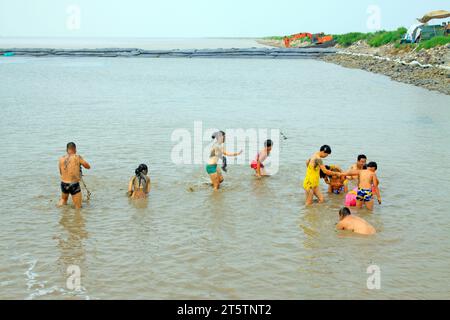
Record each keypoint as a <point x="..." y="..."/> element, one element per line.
<point x="338" y="180"/>
<point x="139" y="186"/>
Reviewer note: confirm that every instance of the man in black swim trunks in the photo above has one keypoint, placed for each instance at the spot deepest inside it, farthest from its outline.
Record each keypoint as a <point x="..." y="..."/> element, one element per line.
<point x="70" y="170"/>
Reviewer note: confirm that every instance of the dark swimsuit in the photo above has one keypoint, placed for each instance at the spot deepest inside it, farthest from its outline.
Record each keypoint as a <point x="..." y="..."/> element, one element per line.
<point x="70" y="188"/>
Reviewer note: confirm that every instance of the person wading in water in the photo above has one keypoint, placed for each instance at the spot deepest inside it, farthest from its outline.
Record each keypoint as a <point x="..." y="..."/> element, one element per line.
<point x="218" y="152"/>
<point x="70" y="172"/>
<point x="139" y="185"/>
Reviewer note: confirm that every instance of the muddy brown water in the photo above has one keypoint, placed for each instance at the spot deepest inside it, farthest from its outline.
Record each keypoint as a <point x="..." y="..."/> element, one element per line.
<point x="253" y="238"/>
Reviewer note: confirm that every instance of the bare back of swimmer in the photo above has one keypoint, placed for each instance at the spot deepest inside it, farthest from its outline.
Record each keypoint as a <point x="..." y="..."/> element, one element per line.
<point x="69" y="169"/>
<point x="139" y="185"/>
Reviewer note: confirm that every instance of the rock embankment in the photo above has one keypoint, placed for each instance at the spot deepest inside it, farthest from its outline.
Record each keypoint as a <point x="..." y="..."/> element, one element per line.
<point x="427" y="68"/>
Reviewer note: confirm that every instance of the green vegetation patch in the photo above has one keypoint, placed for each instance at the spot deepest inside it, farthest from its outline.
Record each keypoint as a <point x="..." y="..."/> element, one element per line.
<point x="434" y="42"/>
<point x="347" y="39"/>
<point x="374" y="39"/>
<point x="428" y="44"/>
<point x="380" y="38"/>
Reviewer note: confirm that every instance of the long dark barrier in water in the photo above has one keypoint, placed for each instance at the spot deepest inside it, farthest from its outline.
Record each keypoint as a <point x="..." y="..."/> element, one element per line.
<point x="265" y="53"/>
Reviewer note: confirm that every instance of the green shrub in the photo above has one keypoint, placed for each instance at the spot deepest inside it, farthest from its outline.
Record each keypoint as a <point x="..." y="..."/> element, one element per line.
<point x="381" y="38"/>
<point x="376" y="39"/>
<point x="434" y="42"/>
<point x="347" y="39"/>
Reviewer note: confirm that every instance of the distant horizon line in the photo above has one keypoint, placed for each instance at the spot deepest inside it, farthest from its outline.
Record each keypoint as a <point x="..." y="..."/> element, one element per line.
<point x="180" y="37"/>
<point x="129" y="37"/>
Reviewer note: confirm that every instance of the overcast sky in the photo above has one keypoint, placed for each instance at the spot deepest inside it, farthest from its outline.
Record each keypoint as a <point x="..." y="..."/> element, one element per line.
<point x="204" y="18"/>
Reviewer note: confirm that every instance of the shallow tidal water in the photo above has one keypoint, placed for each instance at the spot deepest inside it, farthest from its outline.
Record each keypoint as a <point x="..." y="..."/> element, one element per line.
<point x="253" y="238"/>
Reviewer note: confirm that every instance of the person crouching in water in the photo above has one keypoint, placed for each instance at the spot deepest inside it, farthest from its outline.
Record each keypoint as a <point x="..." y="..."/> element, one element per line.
<point x="354" y="224"/>
<point x="70" y="171"/>
<point x="257" y="164"/>
<point x="367" y="185"/>
<point x="139" y="186"/>
<point x="336" y="185"/>
<point x="218" y="152"/>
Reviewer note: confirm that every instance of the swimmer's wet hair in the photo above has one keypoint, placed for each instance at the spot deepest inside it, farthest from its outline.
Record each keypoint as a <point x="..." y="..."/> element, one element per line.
<point x="71" y="145"/>
<point x="345" y="212"/>
<point x="322" y="174"/>
<point x="268" y="143"/>
<point x="325" y="148"/>
<point x="362" y="156"/>
<point x="139" y="173"/>
<point x="142" y="167"/>
<point x="372" y="165"/>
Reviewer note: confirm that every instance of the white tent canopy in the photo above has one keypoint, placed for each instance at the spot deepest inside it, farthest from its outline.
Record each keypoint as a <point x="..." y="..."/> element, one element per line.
<point x="413" y="32"/>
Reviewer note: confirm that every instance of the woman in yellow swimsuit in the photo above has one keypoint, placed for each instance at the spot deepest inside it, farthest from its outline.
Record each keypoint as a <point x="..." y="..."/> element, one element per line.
<point x="312" y="177"/>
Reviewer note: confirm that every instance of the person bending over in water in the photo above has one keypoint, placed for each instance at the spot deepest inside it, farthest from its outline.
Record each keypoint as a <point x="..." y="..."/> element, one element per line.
<point x="355" y="224"/>
<point x="359" y="165"/>
<point x="139" y="185"/>
<point x="257" y="164"/>
<point x="218" y="152"/>
<point x="336" y="184"/>
<point x="70" y="171"/>
<point x="368" y="181"/>
<point x="312" y="178"/>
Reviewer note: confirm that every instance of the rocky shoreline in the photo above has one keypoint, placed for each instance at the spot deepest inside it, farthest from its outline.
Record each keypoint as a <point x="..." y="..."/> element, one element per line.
<point x="430" y="77"/>
<point x="429" y="68"/>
